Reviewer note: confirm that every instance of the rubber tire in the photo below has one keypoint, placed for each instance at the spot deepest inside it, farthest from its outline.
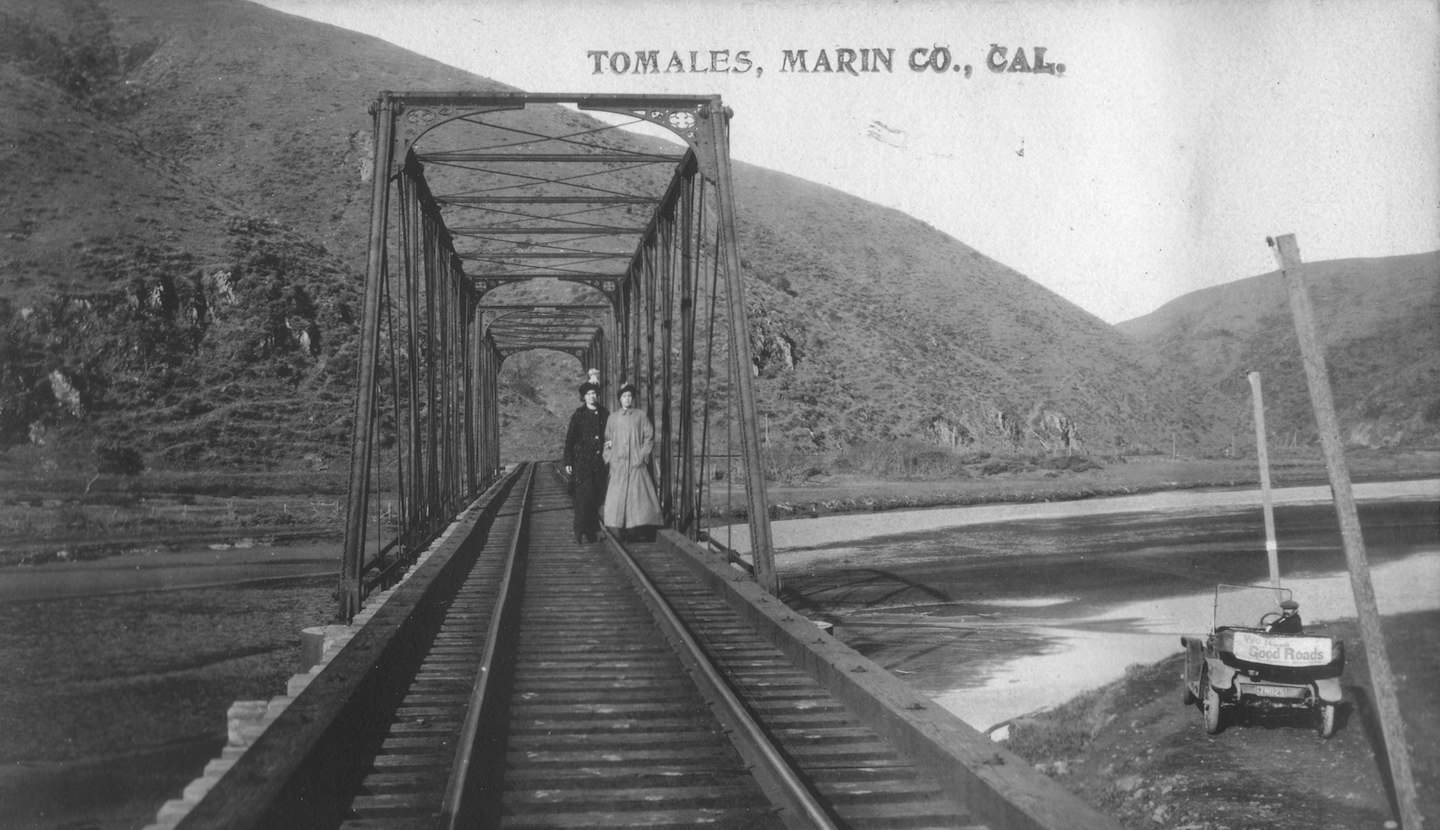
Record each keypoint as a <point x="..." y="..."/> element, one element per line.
<point x="1211" y="708"/>
<point x="1326" y="727"/>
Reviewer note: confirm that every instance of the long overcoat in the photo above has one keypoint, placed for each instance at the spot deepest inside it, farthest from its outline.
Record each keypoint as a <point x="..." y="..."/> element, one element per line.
<point x="584" y="455"/>
<point x="585" y="442"/>
<point x="630" y="499"/>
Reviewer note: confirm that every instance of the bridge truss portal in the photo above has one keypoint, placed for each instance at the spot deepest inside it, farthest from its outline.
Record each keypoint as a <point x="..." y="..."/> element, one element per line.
<point x="503" y="223"/>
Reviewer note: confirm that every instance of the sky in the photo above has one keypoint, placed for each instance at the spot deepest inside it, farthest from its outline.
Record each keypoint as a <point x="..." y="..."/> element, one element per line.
<point x="1157" y="148"/>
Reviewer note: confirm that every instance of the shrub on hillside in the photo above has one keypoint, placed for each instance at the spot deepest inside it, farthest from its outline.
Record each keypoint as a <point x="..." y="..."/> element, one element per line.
<point x="23" y="393"/>
<point x="84" y="61"/>
<point x="1008" y="464"/>
<point x="904" y="458"/>
<point x="190" y="367"/>
<point x="786" y="464"/>
<point x="1071" y="463"/>
<point x="118" y="460"/>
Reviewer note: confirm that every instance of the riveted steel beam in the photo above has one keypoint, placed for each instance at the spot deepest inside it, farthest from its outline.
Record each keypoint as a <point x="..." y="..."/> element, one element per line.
<point x="547" y="158"/>
<point x="568" y="230"/>
<point x="579" y="199"/>
<point x="504" y="255"/>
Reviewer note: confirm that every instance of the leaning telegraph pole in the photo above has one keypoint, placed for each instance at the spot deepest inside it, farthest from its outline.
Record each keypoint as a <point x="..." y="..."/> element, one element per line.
<point x="1312" y="355"/>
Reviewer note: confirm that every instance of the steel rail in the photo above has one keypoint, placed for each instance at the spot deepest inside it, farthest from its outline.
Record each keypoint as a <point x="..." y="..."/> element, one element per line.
<point x="750" y="738"/>
<point x="454" y="811"/>
<point x="585" y="719"/>
<point x="472" y="770"/>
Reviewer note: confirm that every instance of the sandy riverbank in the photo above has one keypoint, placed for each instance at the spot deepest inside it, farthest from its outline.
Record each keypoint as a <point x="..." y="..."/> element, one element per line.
<point x="798" y="540"/>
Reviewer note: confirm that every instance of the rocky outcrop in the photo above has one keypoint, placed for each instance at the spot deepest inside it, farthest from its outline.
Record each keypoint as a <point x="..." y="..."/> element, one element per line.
<point x="171" y="331"/>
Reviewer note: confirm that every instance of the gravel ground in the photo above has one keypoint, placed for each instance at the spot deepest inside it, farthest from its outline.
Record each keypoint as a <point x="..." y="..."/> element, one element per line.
<point x="1137" y="753"/>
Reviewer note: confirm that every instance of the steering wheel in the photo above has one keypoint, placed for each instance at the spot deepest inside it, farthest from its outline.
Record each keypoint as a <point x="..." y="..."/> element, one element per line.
<point x="1268" y="618"/>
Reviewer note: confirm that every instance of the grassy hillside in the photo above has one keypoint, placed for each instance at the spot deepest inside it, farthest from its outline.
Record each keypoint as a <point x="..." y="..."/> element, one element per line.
<point x="891" y="329"/>
<point x="169" y="288"/>
<point x="185" y="241"/>
<point x="1376" y="317"/>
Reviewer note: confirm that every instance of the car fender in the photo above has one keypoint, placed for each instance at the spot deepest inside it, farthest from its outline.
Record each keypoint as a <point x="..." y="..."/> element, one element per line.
<point x="1328" y="689"/>
<point x="1221" y="676"/>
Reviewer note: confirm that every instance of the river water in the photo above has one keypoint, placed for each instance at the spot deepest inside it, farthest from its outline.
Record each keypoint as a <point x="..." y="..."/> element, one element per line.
<point x="999" y="611"/>
<point x="994" y="611"/>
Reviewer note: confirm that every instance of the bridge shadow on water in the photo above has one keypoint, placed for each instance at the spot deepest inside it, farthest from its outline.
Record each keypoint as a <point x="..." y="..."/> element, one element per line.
<point x="911" y="627"/>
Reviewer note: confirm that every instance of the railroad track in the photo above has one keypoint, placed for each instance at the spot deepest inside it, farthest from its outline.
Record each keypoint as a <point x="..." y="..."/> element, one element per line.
<point x="515" y="679"/>
<point x="581" y="686"/>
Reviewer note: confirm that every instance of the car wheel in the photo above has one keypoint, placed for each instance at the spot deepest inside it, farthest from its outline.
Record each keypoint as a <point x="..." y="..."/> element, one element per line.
<point x="1327" y="720"/>
<point x="1212" y="709"/>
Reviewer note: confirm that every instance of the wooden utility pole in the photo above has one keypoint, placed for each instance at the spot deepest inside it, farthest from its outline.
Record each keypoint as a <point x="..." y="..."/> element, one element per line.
<point x="1272" y="550"/>
<point x="1287" y="251"/>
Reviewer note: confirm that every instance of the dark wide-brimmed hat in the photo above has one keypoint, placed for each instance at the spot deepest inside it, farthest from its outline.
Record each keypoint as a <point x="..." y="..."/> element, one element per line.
<point x="1290" y="604"/>
<point x="628" y="386"/>
<point x="589" y="387"/>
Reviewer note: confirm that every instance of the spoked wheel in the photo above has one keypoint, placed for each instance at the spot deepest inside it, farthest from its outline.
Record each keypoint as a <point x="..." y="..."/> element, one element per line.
<point x="1326" y="727"/>
<point x="1211" y="708"/>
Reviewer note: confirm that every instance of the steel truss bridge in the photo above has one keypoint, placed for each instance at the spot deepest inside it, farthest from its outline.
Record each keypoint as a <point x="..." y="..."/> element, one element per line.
<point x="486" y="671"/>
<point x="481" y="210"/>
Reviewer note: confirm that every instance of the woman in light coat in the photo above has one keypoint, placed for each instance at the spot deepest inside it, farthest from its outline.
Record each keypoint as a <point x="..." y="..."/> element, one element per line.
<point x="630" y="498"/>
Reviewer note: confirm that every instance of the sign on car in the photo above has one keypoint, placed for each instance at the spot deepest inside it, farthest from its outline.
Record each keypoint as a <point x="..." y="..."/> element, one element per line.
<point x="1282" y="651"/>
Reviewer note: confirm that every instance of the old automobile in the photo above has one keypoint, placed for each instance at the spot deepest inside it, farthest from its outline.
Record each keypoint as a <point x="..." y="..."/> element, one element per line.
<point x="1240" y="667"/>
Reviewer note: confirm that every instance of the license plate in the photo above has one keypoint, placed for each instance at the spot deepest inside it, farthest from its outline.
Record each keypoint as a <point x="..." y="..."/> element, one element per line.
<point x="1277" y="691"/>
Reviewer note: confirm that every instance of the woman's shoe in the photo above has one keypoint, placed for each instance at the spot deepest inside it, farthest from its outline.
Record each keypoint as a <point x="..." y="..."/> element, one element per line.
<point x="579" y="540"/>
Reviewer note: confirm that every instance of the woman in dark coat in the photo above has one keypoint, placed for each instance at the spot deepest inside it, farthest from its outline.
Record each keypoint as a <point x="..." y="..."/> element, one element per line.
<point x="585" y="463"/>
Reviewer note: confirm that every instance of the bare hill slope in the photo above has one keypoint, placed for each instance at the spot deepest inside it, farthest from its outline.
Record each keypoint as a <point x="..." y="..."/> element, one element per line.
<point x="1378" y="318"/>
<point x="882" y="326"/>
